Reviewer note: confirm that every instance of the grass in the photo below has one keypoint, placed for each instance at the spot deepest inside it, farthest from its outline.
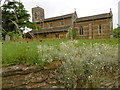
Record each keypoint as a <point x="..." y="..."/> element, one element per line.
<point x="26" y="52"/>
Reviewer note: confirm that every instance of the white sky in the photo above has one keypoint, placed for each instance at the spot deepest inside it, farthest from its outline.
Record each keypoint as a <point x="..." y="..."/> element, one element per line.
<point x="84" y="8"/>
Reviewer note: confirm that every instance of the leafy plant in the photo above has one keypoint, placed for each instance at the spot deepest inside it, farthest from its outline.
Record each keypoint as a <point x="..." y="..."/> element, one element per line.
<point x="14" y="16"/>
<point x="116" y="32"/>
<point x="15" y="36"/>
<point x="88" y="66"/>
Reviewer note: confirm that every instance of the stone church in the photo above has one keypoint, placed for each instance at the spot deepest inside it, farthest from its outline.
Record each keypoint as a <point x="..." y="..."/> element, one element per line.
<point x="90" y="27"/>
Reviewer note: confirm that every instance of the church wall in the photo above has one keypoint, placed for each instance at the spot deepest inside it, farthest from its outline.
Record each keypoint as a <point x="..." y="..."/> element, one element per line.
<point x="53" y="35"/>
<point x="91" y="29"/>
<point x="56" y="23"/>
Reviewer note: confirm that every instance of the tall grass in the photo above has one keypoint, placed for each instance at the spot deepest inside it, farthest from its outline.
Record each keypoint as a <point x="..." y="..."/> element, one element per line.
<point x="27" y="52"/>
<point x="24" y="51"/>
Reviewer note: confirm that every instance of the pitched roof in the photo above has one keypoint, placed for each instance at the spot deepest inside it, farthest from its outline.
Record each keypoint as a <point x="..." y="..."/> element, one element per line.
<point x="55" y="29"/>
<point x="57" y="18"/>
<point x="94" y="17"/>
<point x="51" y="31"/>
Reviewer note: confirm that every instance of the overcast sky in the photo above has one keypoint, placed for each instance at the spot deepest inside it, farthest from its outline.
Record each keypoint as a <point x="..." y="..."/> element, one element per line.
<point x="84" y="8"/>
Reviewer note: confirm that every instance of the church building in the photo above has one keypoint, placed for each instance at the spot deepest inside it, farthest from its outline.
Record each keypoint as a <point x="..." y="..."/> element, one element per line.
<point x="90" y="27"/>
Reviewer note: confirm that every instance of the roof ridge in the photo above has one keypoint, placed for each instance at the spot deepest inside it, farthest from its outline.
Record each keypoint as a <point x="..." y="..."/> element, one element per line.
<point x="93" y="15"/>
<point x="59" y="16"/>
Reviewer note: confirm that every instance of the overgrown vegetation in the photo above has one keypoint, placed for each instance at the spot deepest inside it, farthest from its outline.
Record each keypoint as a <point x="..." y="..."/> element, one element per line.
<point x="89" y="65"/>
<point x="30" y="51"/>
<point x="24" y="51"/>
<point x="116" y="32"/>
<point x="85" y="63"/>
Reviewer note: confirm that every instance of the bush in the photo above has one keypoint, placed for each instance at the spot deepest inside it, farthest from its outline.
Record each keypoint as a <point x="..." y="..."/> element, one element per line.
<point x="116" y="32"/>
<point x="83" y="66"/>
<point x="14" y="36"/>
<point x="89" y="65"/>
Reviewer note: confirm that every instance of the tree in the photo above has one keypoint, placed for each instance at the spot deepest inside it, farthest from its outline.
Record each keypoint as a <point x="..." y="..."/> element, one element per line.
<point x="14" y="16"/>
<point x="116" y="32"/>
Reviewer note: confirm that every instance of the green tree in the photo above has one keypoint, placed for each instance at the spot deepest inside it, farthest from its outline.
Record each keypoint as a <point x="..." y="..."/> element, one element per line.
<point x="14" y="16"/>
<point x="116" y="32"/>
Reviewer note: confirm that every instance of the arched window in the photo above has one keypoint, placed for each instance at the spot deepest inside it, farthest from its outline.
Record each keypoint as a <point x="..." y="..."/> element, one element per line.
<point x="100" y="28"/>
<point x="81" y="30"/>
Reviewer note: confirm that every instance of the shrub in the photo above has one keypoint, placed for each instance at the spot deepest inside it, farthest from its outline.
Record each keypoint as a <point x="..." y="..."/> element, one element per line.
<point x="15" y="36"/>
<point x="116" y="32"/>
<point x="86" y="66"/>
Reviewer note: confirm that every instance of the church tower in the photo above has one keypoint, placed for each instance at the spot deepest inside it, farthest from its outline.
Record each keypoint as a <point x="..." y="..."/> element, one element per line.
<point x="37" y="14"/>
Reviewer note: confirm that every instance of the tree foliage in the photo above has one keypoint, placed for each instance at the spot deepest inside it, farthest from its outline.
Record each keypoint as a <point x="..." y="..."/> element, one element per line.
<point x="116" y="32"/>
<point x="14" y="16"/>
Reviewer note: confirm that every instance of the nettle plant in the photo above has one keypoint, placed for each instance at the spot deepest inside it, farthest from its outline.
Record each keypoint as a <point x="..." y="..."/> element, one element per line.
<point x="83" y="66"/>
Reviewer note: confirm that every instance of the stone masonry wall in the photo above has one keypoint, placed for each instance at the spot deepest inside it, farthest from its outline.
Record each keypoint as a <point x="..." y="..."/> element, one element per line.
<point x="22" y="76"/>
